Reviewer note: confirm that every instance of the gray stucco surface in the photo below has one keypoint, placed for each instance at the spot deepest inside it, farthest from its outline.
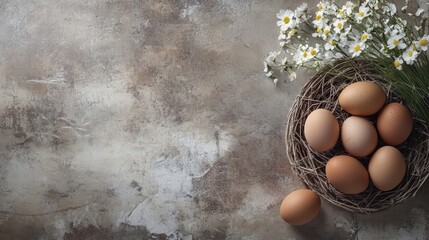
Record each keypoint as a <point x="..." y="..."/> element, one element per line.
<point x="152" y="120"/>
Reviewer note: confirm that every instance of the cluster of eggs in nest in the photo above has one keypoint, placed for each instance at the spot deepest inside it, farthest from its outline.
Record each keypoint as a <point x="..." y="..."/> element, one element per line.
<point x="360" y="137"/>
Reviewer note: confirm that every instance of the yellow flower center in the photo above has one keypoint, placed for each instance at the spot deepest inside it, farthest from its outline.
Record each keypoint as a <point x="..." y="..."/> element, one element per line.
<point x="339" y="25"/>
<point x="410" y="53"/>
<point x="333" y="43"/>
<point x="320" y="6"/>
<point x="341" y="12"/>
<point x="313" y="52"/>
<point x="356" y="48"/>
<point x="364" y="36"/>
<point x="397" y="63"/>
<point x="326" y="32"/>
<point x="396" y="42"/>
<point x="423" y="42"/>
<point x="286" y="20"/>
<point x="361" y="14"/>
<point x="318" y="17"/>
<point x="305" y="54"/>
<point x="318" y="30"/>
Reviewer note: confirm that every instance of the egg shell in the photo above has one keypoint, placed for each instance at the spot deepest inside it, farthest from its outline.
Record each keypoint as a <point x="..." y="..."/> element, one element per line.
<point x="321" y="130"/>
<point x="359" y="136"/>
<point x="395" y="123"/>
<point x="387" y="168"/>
<point x="347" y="174"/>
<point x="300" y="207"/>
<point x="362" y="98"/>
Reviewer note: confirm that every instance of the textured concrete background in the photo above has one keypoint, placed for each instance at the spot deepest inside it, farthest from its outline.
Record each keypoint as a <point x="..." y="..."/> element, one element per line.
<point x="152" y="120"/>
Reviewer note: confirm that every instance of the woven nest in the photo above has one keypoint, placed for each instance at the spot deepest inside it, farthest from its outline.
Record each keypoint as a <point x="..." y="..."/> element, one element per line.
<point x="322" y="91"/>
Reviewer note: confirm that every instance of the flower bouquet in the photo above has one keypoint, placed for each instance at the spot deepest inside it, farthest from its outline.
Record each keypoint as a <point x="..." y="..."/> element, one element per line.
<point x="394" y="41"/>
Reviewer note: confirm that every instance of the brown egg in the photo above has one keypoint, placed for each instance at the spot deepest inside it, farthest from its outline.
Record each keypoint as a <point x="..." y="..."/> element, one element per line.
<point x="300" y="207"/>
<point x="321" y="130"/>
<point x="358" y="136"/>
<point x="347" y="174"/>
<point x="387" y="168"/>
<point x="362" y="98"/>
<point x="395" y="123"/>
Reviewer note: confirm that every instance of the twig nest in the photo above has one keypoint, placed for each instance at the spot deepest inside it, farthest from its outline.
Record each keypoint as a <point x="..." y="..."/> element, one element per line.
<point x="322" y="92"/>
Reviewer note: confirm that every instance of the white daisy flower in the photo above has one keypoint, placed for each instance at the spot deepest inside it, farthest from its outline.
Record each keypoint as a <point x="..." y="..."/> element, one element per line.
<point x="301" y="14"/>
<point x="319" y="19"/>
<point x="318" y="32"/>
<point x="396" y="41"/>
<point x="326" y="32"/>
<point x="394" y="30"/>
<point x="286" y="19"/>
<point x="338" y="25"/>
<point x="349" y="6"/>
<point x="419" y="12"/>
<point x="313" y="51"/>
<point x="301" y="10"/>
<point x="302" y="55"/>
<point x="423" y="43"/>
<point x="363" y="13"/>
<point x="410" y="55"/>
<point x="344" y="37"/>
<point x="331" y="43"/>
<point x="321" y="5"/>
<point x="271" y="59"/>
<point x="365" y="36"/>
<point x="398" y="63"/>
<point x="341" y="13"/>
<point x="356" y="48"/>
<point x="389" y="9"/>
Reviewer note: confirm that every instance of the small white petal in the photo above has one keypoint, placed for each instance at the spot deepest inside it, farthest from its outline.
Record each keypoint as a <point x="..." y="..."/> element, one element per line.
<point x="419" y="12"/>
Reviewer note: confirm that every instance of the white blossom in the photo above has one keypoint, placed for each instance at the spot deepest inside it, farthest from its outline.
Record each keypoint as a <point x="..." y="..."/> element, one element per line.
<point x="356" y="48"/>
<point x="396" y="41"/>
<point x="410" y="55"/>
<point x="365" y="37"/>
<point x="363" y="13"/>
<point x="286" y="19"/>
<point x="300" y="13"/>
<point x="330" y="44"/>
<point x="398" y="63"/>
<point x="338" y="25"/>
<point x="423" y="42"/>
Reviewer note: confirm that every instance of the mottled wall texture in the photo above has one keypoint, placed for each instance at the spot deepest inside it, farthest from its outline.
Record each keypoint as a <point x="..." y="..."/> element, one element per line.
<point x="151" y="119"/>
